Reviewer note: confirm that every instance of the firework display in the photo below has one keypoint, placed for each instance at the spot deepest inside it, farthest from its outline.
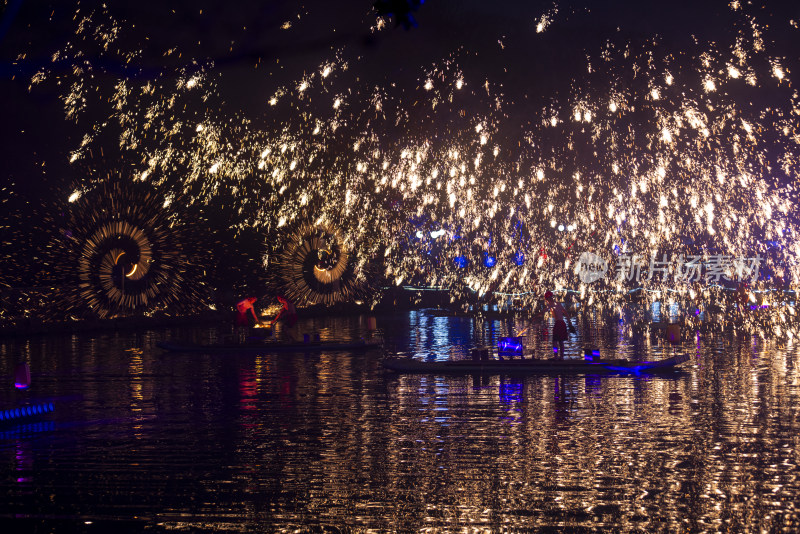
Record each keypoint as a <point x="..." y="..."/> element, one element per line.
<point x="120" y="252"/>
<point x="657" y="162"/>
<point x="316" y="266"/>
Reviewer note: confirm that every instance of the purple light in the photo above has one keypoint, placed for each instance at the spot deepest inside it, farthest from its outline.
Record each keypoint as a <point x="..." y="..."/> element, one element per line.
<point x="22" y="376"/>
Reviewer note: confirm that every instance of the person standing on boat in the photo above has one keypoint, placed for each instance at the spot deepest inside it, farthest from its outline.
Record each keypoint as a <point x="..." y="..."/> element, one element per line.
<point x="242" y="317"/>
<point x="560" y="315"/>
<point x="289" y="315"/>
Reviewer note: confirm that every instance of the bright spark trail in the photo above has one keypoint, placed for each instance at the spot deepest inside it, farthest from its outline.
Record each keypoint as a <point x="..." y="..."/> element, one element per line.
<point x="654" y="152"/>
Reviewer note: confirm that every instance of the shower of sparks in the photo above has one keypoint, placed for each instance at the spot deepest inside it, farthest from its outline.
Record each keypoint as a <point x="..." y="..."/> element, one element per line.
<point x="6" y="239"/>
<point x="651" y="153"/>
<point x="545" y="20"/>
<point x="19" y="258"/>
<point x="317" y="267"/>
<point x="118" y="252"/>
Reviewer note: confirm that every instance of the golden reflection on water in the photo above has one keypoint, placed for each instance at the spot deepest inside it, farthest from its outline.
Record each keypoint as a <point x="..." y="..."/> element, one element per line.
<point x="623" y="453"/>
<point x="287" y="442"/>
<point x="137" y="387"/>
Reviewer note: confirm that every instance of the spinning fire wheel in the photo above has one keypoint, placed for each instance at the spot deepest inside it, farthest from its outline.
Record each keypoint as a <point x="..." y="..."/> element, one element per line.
<point x="128" y="253"/>
<point x="317" y="267"/>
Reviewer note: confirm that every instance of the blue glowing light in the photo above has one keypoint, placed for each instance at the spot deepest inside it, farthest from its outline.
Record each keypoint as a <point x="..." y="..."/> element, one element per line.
<point x="510" y="344"/>
<point x="519" y="258"/>
<point x="461" y="261"/>
<point x="591" y="356"/>
<point x="489" y="261"/>
<point x="26" y="411"/>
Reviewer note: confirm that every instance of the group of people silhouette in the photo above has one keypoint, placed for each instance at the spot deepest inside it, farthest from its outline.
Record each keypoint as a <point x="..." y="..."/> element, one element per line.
<point x="246" y="316"/>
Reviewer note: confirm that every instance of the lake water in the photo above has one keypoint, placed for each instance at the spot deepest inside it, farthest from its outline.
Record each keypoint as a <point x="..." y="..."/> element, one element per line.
<point x="332" y="442"/>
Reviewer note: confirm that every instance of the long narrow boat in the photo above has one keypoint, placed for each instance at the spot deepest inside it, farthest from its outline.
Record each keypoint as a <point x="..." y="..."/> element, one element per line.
<point x="268" y="347"/>
<point x="25" y="412"/>
<point x="409" y="365"/>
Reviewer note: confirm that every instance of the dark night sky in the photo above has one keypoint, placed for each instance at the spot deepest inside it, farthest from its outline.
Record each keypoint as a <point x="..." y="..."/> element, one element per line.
<point x="237" y="35"/>
<point x="493" y="40"/>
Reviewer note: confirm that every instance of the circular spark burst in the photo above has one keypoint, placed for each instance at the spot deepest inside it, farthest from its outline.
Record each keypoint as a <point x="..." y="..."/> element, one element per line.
<point x="125" y="254"/>
<point x="316" y="266"/>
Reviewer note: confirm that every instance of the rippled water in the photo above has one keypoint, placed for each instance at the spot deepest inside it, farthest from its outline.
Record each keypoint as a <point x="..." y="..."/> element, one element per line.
<point x="332" y="442"/>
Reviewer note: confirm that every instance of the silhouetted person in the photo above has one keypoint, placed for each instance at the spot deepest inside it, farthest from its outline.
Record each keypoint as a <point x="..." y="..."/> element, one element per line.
<point x="244" y="311"/>
<point x="560" y="332"/>
<point x="288" y="314"/>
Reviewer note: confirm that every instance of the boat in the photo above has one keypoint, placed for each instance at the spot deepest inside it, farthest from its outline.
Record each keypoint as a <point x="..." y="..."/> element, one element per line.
<point x="25" y="412"/>
<point x="264" y="347"/>
<point x="532" y="366"/>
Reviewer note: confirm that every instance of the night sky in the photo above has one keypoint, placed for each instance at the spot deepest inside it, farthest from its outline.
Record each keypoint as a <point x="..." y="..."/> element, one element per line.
<point x="533" y="54"/>
<point x="497" y="41"/>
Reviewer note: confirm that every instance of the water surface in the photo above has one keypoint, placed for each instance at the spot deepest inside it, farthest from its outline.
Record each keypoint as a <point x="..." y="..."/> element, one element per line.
<point x="141" y="438"/>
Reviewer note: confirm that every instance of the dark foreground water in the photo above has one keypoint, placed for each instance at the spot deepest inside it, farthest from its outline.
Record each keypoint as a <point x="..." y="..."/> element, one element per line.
<point x="142" y="439"/>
